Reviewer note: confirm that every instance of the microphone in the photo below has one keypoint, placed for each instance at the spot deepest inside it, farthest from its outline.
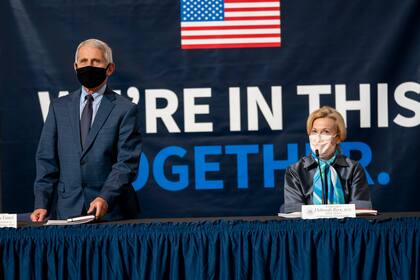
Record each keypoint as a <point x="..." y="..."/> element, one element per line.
<point x="324" y="190"/>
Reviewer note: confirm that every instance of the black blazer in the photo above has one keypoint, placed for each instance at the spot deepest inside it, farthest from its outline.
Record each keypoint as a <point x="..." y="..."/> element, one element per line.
<point x="298" y="189"/>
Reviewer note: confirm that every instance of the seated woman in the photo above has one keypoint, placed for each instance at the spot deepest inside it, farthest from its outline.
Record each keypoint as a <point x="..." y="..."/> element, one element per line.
<point x="344" y="179"/>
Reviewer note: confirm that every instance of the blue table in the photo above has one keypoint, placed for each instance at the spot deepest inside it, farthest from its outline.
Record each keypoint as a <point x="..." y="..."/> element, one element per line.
<point x="235" y="248"/>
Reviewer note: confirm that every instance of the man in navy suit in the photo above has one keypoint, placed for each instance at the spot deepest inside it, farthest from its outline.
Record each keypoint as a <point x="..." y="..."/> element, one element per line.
<point x="89" y="149"/>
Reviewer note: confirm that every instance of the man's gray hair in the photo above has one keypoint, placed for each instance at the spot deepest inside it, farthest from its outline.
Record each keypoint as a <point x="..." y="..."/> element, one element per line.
<point x="106" y="50"/>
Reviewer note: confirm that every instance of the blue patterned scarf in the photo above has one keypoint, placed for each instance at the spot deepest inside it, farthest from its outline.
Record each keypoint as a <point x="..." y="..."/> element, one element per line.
<point x="335" y="190"/>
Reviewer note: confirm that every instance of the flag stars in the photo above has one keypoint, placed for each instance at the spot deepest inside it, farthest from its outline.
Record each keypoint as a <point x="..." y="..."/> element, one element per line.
<point x="202" y="10"/>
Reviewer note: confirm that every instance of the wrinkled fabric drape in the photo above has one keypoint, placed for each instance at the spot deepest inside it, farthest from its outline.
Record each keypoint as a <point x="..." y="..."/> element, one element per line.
<point x="321" y="249"/>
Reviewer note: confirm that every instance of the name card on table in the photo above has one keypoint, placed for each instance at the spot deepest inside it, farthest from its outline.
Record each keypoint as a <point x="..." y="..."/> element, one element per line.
<point x="8" y="220"/>
<point x="326" y="211"/>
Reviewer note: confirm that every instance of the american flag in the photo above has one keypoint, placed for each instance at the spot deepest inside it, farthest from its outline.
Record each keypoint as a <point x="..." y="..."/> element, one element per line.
<point x="207" y="24"/>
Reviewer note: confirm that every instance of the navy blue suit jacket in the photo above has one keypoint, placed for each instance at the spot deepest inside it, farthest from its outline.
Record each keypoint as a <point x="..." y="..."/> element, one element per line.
<point x="70" y="177"/>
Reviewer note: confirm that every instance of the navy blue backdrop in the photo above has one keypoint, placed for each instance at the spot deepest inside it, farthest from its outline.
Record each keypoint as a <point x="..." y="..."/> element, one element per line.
<point x="220" y="125"/>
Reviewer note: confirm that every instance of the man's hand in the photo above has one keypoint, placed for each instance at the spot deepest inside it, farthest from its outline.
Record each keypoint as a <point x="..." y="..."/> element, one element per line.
<point x="39" y="215"/>
<point x="99" y="206"/>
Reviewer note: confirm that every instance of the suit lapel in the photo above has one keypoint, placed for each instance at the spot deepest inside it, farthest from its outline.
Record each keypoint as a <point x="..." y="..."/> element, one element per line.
<point x="104" y="110"/>
<point x="74" y="109"/>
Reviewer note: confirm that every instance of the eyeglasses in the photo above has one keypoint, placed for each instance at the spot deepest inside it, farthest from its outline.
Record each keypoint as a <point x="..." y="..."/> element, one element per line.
<point x="324" y="132"/>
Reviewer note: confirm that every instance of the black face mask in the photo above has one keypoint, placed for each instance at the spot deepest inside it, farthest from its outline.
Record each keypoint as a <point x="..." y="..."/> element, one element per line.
<point x="91" y="76"/>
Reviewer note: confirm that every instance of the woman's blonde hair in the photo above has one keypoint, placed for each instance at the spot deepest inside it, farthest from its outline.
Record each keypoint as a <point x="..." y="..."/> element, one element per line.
<point x="328" y="112"/>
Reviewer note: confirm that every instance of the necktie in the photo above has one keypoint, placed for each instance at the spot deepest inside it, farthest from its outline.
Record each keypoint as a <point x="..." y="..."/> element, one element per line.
<point x="86" y="119"/>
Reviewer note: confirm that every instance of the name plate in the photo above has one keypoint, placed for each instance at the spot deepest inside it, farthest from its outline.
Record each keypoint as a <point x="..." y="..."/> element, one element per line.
<point x="8" y="220"/>
<point x="327" y="211"/>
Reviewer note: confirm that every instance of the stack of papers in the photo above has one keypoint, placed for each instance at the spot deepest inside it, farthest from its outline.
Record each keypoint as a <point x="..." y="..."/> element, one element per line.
<point x="71" y="221"/>
<point x="367" y="212"/>
<point x="290" y="215"/>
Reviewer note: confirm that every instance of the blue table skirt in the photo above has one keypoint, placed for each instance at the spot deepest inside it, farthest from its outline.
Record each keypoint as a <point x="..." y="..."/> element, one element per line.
<point x="321" y="249"/>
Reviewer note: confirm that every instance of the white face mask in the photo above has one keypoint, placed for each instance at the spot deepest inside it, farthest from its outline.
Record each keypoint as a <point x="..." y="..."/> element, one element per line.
<point x="324" y="145"/>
